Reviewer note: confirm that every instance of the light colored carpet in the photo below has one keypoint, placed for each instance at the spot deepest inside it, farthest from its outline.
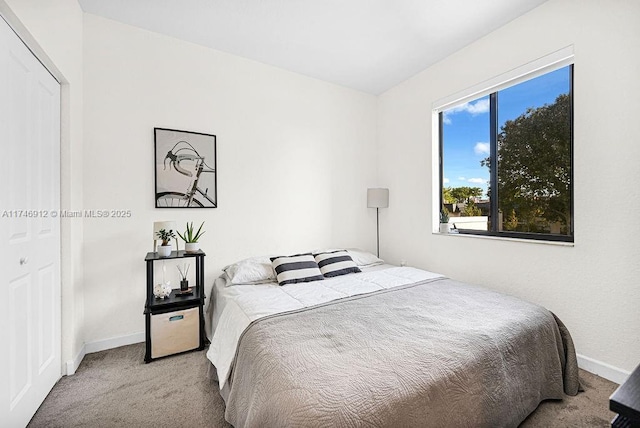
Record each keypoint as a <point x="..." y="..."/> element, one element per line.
<point x="115" y="388"/>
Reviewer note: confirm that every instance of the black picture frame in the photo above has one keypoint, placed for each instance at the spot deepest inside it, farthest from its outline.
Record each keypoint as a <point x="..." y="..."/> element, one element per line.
<point x="185" y="168"/>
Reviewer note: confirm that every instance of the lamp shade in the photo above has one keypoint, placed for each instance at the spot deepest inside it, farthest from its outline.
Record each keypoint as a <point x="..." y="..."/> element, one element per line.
<point x="377" y="198"/>
<point x="166" y="225"/>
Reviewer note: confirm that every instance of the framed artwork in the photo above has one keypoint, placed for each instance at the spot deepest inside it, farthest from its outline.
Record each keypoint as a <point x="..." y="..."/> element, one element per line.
<point x="185" y="169"/>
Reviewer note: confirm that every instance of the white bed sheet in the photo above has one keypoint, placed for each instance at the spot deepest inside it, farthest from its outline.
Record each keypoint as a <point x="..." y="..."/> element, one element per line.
<point x="234" y="308"/>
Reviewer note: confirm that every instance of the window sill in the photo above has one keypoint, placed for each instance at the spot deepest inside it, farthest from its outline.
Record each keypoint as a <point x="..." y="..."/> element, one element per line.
<point x="500" y="238"/>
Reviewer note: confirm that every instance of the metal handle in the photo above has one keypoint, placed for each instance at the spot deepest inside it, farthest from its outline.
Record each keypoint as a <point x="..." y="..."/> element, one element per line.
<point x="24" y="260"/>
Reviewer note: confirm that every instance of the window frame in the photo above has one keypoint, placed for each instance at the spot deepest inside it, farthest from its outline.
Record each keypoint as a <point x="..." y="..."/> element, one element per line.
<point x="494" y="130"/>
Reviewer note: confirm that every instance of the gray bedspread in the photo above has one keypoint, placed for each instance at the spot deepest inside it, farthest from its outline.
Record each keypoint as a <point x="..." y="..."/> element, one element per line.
<point x="433" y="354"/>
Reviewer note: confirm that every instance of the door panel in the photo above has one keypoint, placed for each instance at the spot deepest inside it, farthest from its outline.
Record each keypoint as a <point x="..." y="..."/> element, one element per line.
<point x="46" y="298"/>
<point x="18" y="179"/>
<point x="20" y="338"/>
<point x="46" y="190"/>
<point x="30" y="235"/>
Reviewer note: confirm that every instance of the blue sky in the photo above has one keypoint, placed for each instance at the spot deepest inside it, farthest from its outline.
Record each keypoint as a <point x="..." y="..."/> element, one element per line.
<point x="466" y="127"/>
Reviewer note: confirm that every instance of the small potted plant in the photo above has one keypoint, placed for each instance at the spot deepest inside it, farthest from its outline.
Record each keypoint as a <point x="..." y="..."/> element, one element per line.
<point x="165" y="236"/>
<point x="184" y="271"/>
<point x="444" y="220"/>
<point x="191" y="244"/>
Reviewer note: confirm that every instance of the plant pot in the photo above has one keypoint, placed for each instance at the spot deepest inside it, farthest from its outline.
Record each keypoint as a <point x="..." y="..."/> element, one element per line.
<point x="191" y="247"/>
<point x="444" y="227"/>
<point x="164" y="250"/>
<point x="184" y="285"/>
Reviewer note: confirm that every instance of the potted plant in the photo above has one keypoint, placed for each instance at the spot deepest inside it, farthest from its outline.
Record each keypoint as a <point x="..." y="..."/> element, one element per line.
<point x="444" y="220"/>
<point x="190" y="238"/>
<point x="165" y="236"/>
<point x="184" y="283"/>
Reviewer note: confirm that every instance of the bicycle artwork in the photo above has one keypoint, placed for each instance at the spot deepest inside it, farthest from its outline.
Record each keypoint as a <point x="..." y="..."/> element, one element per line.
<point x="185" y="169"/>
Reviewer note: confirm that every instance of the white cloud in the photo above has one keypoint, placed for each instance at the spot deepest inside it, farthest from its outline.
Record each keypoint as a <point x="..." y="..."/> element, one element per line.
<point x="474" y="109"/>
<point x="445" y="180"/>
<point x="479" y="107"/>
<point x="476" y="180"/>
<point x="481" y="148"/>
<point x="461" y="178"/>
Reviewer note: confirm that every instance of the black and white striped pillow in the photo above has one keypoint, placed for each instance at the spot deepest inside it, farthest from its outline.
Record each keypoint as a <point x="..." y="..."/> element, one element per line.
<point x="336" y="263"/>
<point x="298" y="268"/>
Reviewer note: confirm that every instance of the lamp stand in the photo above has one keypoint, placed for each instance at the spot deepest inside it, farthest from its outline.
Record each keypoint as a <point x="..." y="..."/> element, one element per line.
<point x="378" y="231"/>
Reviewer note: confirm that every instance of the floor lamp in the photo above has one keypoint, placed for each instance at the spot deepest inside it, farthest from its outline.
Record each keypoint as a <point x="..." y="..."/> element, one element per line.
<point x="377" y="198"/>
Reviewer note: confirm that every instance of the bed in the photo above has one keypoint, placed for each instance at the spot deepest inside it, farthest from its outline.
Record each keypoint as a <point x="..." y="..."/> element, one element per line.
<point x="389" y="346"/>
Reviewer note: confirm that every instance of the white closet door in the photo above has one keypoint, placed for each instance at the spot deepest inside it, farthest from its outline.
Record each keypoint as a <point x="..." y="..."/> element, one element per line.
<point x="30" y="231"/>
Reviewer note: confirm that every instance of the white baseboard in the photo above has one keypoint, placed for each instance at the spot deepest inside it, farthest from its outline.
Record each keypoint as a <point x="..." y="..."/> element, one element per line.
<point x="114" y="342"/>
<point x="72" y="365"/>
<point x="101" y="345"/>
<point x="607" y="371"/>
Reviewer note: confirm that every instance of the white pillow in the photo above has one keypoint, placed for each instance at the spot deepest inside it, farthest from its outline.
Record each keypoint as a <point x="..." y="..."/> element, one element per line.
<point x="363" y="258"/>
<point x="254" y="270"/>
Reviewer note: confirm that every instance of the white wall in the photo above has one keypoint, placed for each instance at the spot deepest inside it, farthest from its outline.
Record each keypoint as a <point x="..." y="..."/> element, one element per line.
<point x="295" y="157"/>
<point x="593" y="286"/>
<point x="53" y="31"/>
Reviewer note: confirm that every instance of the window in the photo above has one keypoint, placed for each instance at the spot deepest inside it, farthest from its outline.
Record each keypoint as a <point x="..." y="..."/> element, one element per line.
<point x="506" y="160"/>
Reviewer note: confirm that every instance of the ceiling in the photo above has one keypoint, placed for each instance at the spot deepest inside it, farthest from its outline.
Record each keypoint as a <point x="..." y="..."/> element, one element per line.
<point x="367" y="45"/>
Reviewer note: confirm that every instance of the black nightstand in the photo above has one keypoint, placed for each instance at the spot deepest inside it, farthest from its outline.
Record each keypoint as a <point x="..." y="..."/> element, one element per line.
<point x="626" y="402"/>
<point x="174" y="324"/>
